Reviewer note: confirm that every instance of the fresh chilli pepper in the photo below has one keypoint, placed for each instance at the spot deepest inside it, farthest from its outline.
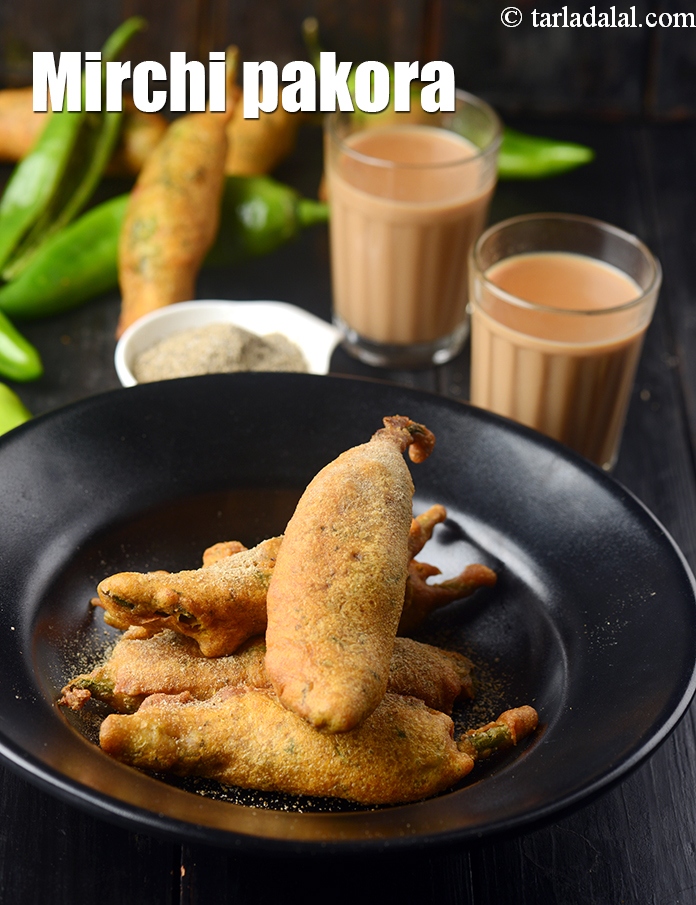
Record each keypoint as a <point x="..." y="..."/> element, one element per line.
<point x="532" y="157"/>
<point x="258" y="215"/>
<point x="73" y="265"/>
<point x="57" y="178"/>
<point x="13" y="411"/>
<point x="19" y="360"/>
<point x="81" y="261"/>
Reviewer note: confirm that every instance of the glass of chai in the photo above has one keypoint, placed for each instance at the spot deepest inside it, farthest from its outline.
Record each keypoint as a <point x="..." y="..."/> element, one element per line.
<point x="409" y="194"/>
<point x="559" y="308"/>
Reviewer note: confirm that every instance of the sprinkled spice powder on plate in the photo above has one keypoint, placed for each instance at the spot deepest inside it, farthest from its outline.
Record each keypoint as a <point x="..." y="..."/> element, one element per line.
<point x="217" y="349"/>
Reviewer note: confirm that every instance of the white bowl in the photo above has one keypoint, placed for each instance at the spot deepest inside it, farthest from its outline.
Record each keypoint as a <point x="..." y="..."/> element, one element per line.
<point x="315" y="337"/>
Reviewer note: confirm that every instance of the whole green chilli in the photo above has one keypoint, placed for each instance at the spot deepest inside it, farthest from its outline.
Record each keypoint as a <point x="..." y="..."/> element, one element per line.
<point x="81" y="261"/>
<point x="75" y="264"/>
<point x="54" y="182"/>
<point x="524" y="156"/>
<point x="13" y="412"/>
<point x="257" y="215"/>
<point x="19" y="360"/>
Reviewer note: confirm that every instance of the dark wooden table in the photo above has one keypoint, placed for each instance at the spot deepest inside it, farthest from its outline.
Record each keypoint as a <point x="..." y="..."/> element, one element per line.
<point x="635" y="844"/>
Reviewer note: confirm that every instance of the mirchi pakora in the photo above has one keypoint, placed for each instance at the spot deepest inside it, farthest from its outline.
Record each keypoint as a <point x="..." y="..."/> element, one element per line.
<point x="168" y="663"/>
<point x="224" y="607"/>
<point x="173" y="212"/>
<point x="422" y="598"/>
<point x="337" y="590"/>
<point x="221" y="605"/>
<point x="245" y="737"/>
<point x="330" y="703"/>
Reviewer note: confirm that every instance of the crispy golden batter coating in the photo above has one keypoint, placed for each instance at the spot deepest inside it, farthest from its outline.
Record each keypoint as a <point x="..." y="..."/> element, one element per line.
<point x="220" y="605"/>
<point x="173" y="215"/>
<point x="154" y="600"/>
<point x="423" y="598"/>
<point x="170" y="664"/>
<point x="435" y="676"/>
<point x="337" y="590"/>
<point x="505" y="732"/>
<point x="222" y="550"/>
<point x="167" y="663"/>
<point x="422" y="527"/>
<point x="244" y="737"/>
<point x="331" y="703"/>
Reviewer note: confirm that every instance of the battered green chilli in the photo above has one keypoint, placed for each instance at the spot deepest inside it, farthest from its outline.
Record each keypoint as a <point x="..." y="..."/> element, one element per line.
<point x="337" y="590"/>
<point x="220" y="605"/>
<point x="169" y="663"/>
<point x="186" y="708"/>
<point x="223" y="604"/>
<point x="404" y="751"/>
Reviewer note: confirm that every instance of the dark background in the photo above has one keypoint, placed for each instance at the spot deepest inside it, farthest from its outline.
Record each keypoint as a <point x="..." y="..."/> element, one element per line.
<point x="591" y="72"/>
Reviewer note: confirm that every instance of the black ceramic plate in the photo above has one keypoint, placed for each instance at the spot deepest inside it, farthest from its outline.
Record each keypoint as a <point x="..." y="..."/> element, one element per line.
<point x="592" y="621"/>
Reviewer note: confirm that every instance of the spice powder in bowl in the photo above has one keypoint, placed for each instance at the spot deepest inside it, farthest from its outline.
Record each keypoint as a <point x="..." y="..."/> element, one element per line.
<point x="217" y="348"/>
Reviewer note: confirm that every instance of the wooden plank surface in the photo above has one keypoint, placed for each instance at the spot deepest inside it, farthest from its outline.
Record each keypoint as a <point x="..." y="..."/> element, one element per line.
<point x="50" y="852"/>
<point x="672" y="62"/>
<point x="597" y="72"/>
<point x="672" y="187"/>
<point x="633" y="844"/>
<point x="535" y="70"/>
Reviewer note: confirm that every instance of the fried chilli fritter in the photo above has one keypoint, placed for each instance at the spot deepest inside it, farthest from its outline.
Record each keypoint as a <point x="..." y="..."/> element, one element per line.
<point x="422" y="598"/>
<point x="167" y="663"/>
<point x="421" y="531"/>
<point x="422" y="527"/>
<point x="435" y="676"/>
<point x="222" y="550"/>
<point x="245" y="737"/>
<point x="224" y="606"/>
<point x="170" y="664"/>
<point x="220" y="605"/>
<point x="337" y="590"/>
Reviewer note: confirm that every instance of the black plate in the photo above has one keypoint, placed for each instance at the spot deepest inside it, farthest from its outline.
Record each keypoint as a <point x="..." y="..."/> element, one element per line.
<point x="592" y="621"/>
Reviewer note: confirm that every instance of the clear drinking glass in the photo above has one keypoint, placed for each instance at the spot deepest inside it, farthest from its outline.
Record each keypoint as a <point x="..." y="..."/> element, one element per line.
<point x="409" y="194"/>
<point x="559" y="306"/>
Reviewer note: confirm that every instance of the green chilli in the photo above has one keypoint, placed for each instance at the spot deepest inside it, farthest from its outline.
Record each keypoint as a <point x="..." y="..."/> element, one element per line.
<point x="13" y="411"/>
<point x="532" y="157"/>
<point x="19" y="360"/>
<point x="54" y="182"/>
<point x="81" y="261"/>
